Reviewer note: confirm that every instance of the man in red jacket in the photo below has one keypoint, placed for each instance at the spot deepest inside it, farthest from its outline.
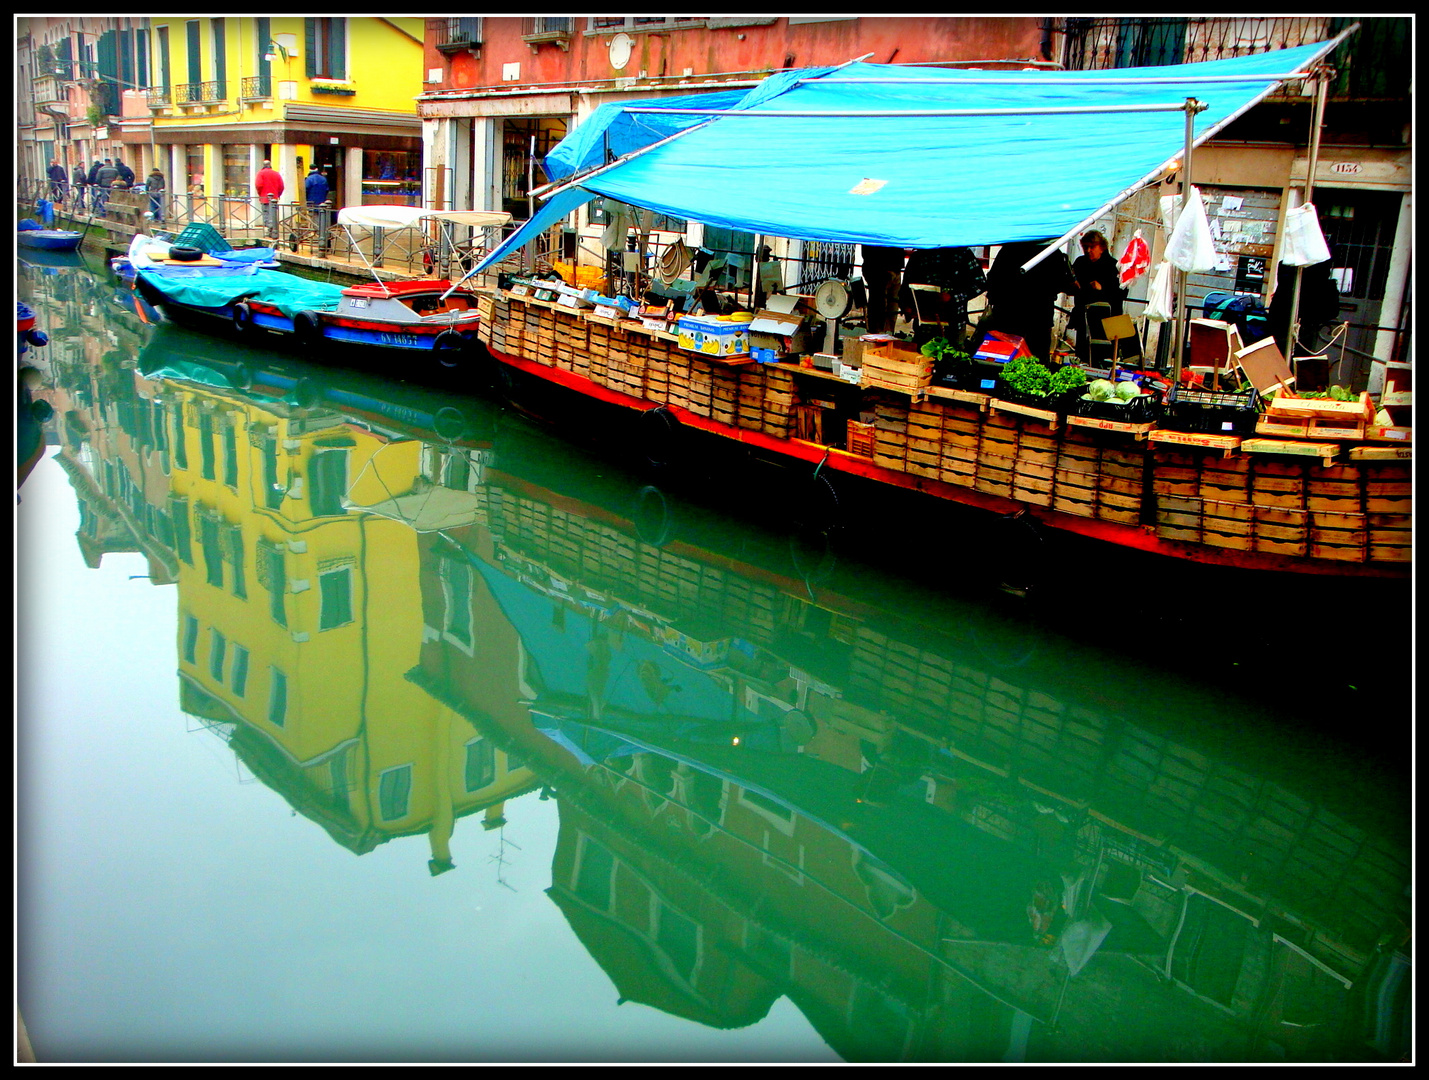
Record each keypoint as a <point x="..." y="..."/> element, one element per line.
<point x="269" y="185"/>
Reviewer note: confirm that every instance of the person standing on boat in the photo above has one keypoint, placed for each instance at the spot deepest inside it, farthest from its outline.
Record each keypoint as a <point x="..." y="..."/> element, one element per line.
<point x="315" y="189"/>
<point x="154" y="185"/>
<point x="1097" y="295"/>
<point x="1023" y="303"/>
<point x="883" y="277"/>
<point x="58" y="179"/>
<point x="269" y="185"/>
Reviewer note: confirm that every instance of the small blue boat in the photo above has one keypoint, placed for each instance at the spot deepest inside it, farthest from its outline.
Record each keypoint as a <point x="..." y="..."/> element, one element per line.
<point x="50" y="239"/>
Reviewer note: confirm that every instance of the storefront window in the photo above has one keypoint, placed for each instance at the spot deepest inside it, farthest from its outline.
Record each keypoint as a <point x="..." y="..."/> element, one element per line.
<point x="392" y="177"/>
<point x="194" y="159"/>
<point x="235" y="171"/>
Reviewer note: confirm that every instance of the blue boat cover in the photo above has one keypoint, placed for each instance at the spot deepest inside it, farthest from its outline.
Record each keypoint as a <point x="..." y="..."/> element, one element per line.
<point x="879" y="154"/>
<point x="221" y="286"/>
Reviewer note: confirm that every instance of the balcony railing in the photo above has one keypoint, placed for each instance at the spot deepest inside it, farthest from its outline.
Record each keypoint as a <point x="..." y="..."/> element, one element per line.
<point x="556" y="28"/>
<point x="200" y="93"/>
<point x="160" y="96"/>
<point x="1373" y="63"/>
<point x="453" y="35"/>
<point x="256" y="87"/>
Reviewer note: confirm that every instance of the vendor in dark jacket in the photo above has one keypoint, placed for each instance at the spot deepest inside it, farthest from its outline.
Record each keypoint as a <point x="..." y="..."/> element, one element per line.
<point x="1097" y="294"/>
<point x="1023" y="303"/>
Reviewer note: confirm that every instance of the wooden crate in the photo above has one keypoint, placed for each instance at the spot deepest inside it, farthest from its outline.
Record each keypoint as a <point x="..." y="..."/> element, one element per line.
<point x="1360" y="410"/>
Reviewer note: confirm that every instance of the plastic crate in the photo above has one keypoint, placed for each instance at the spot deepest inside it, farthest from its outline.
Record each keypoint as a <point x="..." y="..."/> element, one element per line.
<point x="1144" y="409"/>
<point x="1061" y="403"/>
<point x="202" y="236"/>
<point x="1210" y="412"/>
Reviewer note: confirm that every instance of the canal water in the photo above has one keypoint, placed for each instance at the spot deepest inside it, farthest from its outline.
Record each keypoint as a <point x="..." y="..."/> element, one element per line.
<point x="362" y="722"/>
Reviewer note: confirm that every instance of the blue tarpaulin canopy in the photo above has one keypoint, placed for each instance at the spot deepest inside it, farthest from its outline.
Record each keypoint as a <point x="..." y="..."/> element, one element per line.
<point x="910" y="157"/>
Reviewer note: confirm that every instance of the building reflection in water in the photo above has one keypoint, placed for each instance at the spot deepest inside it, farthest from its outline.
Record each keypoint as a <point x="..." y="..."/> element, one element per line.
<point x="930" y="839"/>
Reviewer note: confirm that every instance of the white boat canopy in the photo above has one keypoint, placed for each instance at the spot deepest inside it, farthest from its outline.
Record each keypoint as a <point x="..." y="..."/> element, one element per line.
<point x="405" y="217"/>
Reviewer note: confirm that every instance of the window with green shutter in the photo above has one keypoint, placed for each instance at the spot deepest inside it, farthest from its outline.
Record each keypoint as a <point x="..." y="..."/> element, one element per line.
<point x="277" y="697"/>
<point x="190" y="639"/>
<point x="394" y="791"/>
<point x="239" y="675"/>
<point x="335" y="587"/>
<point x="480" y="765"/>
<point x="217" y="653"/>
<point x="326" y="41"/>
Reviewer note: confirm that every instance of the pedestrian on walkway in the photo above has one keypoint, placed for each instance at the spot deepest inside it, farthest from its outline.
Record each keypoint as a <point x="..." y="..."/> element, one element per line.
<point x="316" y="189"/>
<point x="58" y="181"/>
<point x="269" y="185"/>
<point x="105" y="179"/>
<point x="126" y="174"/>
<point x="154" y="185"/>
<point x="79" y="179"/>
<point x="94" y="167"/>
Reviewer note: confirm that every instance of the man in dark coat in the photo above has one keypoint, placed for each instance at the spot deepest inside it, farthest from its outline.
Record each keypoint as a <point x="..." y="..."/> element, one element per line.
<point x="105" y="178"/>
<point x="58" y="179"/>
<point x="125" y="172"/>
<point x="1023" y="303"/>
<point x="79" y="179"/>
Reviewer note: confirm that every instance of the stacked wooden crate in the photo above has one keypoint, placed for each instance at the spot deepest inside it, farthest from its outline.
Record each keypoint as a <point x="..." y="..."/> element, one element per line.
<point x="701" y="387"/>
<point x="958" y="451"/>
<point x="997" y="453"/>
<point x="1388" y="504"/>
<point x="890" y="435"/>
<point x="775" y="412"/>
<point x="724" y="401"/>
<point x="925" y="440"/>
<point x="599" y="333"/>
<point x="1035" y="467"/>
<point x="1099" y="475"/>
<point x="1335" y="512"/>
<point x="896" y="366"/>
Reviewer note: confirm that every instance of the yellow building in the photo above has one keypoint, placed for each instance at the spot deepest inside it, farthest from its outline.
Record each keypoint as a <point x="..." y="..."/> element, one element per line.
<point x="227" y="94"/>
<point x="300" y="618"/>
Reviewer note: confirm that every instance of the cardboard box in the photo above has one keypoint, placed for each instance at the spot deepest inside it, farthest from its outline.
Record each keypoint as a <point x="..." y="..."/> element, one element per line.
<point x="713" y="337"/>
<point x="780" y="316"/>
<point x="1000" y="348"/>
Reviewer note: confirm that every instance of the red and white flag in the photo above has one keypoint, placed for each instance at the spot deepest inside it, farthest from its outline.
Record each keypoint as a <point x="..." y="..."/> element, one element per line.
<point x="1135" y="260"/>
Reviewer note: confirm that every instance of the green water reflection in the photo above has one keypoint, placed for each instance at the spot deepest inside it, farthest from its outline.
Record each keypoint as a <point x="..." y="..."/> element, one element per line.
<point x="781" y="791"/>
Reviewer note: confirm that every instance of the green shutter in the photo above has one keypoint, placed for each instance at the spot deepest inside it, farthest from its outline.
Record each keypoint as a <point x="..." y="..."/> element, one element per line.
<point x="220" y="57"/>
<point x="310" y="35"/>
<point x="265" y="41"/>
<point x="195" y="56"/>
<point x="337" y="46"/>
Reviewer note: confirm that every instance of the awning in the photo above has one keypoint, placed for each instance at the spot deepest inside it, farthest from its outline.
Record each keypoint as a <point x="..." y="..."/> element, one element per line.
<point x="911" y="156"/>
<point x="403" y="217"/>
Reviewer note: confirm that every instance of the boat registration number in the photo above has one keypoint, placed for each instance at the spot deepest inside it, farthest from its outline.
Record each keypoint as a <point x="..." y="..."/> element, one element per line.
<point x="358" y="302"/>
<point x="387" y="338"/>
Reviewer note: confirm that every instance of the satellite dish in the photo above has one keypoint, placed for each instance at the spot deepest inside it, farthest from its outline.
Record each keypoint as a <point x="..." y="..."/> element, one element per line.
<point x="831" y="299"/>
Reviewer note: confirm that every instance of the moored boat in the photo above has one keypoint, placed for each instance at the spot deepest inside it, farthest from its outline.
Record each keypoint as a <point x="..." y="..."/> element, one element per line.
<point x="1339" y="504"/>
<point x="49" y="239"/>
<point x="386" y="323"/>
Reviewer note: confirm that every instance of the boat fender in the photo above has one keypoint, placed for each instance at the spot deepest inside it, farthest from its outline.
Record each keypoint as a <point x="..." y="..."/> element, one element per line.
<point x="449" y="348"/>
<point x="185" y="254"/>
<point x="659" y="431"/>
<point x="242" y="318"/>
<point x="242" y="377"/>
<point x="308" y="328"/>
<point x="37" y="337"/>
<point x="449" y="423"/>
<point x="304" y="394"/>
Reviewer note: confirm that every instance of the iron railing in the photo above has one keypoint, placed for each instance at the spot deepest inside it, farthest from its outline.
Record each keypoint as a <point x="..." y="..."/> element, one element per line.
<point x="1372" y="63"/>
<point x="256" y="87"/>
<point x="457" y="34"/>
<point x="201" y="93"/>
<point x="160" y="96"/>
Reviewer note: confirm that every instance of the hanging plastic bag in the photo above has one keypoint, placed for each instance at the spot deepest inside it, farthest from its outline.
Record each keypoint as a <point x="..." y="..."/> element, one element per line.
<point x="1158" y="294"/>
<point x="1304" y="242"/>
<point x="1135" y="260"/>
<point x="1191" y="247"/>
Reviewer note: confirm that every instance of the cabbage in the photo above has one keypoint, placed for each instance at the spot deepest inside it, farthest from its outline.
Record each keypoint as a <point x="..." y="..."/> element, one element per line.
<point x="1126" y="390"/>
<point x="1101" y="390"/>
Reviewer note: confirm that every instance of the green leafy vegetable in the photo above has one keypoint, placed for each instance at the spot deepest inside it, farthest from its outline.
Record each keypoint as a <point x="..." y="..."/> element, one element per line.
<point x="1126" y="390"/>
<point x="1027" y="375"/>
<point x="1067" y="378"/>
<point x="1101" y="390"/>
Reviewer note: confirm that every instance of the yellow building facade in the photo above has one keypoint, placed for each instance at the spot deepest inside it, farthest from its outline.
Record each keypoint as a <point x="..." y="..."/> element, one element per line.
<point x="226" y="94"/>
<point x="300" y="618"/>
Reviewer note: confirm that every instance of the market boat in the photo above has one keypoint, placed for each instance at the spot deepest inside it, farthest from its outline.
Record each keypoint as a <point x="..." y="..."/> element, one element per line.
<point x="1336" y="500"/>
<point x="381" y="321"/>
<point x="32" y="412"/>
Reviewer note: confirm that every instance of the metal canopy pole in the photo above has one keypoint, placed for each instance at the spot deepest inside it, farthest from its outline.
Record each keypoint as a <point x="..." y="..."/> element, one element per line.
<point x="1322" y="85"/>
<point x="1192" y="107"/>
